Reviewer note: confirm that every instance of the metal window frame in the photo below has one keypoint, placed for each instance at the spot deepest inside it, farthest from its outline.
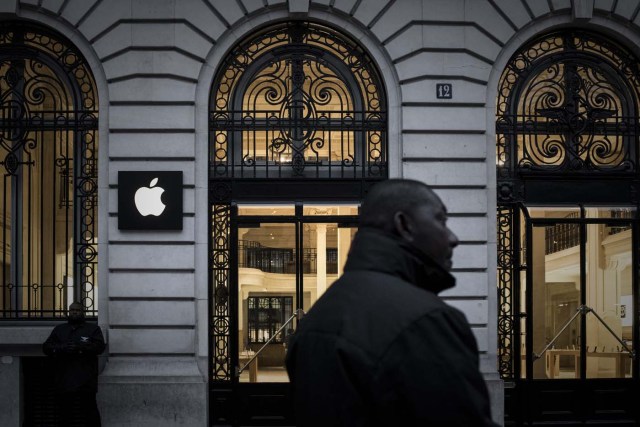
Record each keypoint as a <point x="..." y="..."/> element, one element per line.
<point x="21" y="42"/>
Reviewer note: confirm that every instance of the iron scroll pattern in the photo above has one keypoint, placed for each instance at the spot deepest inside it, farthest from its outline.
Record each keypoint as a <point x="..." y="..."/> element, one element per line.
<point x="48" y="128"/>
<point x="506" y="303"/>
<point x="298" y="101"/>
<point x="568" y="103"/>
<point x="220" y="340"/>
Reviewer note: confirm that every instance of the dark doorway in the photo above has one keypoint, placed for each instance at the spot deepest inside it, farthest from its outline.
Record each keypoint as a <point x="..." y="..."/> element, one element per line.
<point x="38" y="391"/>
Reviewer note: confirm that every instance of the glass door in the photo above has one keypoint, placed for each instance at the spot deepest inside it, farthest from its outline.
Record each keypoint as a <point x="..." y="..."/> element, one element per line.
<point x="579" y="290"/>
<point x="287" y="256"/>
<point x="267" y="291"/>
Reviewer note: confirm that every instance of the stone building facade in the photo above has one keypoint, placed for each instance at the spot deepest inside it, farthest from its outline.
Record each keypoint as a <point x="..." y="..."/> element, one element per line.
<point x="155" y="65"/>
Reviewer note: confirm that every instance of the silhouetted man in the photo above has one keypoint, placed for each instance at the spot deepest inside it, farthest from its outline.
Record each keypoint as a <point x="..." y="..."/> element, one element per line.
<point x="380" y="348"/>
<point x="75" y="347"/>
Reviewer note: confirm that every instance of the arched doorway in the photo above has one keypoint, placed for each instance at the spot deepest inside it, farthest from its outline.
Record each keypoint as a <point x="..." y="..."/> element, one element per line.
<point x="297" y="133"/>
<point x="567" y="180"/>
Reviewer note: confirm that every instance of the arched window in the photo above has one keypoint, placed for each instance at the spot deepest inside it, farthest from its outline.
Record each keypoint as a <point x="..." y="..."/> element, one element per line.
<point x="48" y="174"/>
<point x="298" y="101"/>
<point x="298" y="117"/>
<point x="567" y="177"/>
<point x="568" y="103"/>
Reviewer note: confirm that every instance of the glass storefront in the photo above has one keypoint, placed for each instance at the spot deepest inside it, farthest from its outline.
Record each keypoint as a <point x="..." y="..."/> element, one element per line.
<point x="579" y="266"/>
<point x="287" y="257"/>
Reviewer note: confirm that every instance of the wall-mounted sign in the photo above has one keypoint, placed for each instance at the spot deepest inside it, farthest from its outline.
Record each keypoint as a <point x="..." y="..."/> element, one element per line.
<point x="444" y="90"/>
<point x="626" y="310"/>
<point x="150" y="200"/>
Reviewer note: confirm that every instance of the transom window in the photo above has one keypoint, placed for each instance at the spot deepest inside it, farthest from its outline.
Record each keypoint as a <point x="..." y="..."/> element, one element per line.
<point x="568" y="103"/>
<point x="298" y="101"/>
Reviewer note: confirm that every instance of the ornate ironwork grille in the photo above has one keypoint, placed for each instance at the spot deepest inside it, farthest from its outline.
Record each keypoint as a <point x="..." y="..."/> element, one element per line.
<point x="220" y="263"/>
<point x="294" y="104"/>
<point x="48" y="159"/>
<point x="567" y="111"/>
<point x="567" y="103"/>
<point x="507" y="294"/>
<point x="298" y="101"/>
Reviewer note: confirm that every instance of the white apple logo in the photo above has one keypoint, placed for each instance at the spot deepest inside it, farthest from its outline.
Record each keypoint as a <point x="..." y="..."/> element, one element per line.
<point x="148" y="199"/>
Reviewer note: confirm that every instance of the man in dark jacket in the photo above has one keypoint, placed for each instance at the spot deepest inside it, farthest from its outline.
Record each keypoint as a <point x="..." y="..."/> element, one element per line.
<point x="75" y="347"/>
<point x="380" y="348"/>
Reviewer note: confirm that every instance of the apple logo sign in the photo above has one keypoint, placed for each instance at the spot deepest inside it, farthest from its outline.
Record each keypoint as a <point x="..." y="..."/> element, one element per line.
<point x="149" y="199"/>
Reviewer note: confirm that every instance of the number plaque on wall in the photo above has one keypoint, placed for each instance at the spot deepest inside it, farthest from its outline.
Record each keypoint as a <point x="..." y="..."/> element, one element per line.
<point x="444" y="90"/>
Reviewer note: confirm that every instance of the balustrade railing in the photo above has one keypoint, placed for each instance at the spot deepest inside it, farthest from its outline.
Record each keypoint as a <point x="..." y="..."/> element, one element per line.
<point x="620" y="213"/>
<point x="559" y="237"/>
<point x="563" y="236"/>
<point x="282" y="260"/>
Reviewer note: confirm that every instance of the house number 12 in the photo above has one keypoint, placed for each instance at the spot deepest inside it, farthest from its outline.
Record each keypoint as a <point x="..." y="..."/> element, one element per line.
<point x="444" y="91"/>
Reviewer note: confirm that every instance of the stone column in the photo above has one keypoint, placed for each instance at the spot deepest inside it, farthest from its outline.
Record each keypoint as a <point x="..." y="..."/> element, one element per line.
<point x="344" y="242"/>
<point x="321" y="259"/>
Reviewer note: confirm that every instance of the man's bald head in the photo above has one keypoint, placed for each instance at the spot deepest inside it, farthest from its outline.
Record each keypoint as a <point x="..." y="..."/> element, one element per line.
<point x="414" y="213"/>
<point x="394" y="195"/>
<point x="76" y="312"/>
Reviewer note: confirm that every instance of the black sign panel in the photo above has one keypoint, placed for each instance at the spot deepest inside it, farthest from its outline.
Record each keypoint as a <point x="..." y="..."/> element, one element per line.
<point x="150" y="200"/>
<point x="444" y="91"/>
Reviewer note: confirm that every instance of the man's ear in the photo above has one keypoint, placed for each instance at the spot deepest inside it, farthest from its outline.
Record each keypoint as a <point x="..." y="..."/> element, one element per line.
<point x="403" y="226"/>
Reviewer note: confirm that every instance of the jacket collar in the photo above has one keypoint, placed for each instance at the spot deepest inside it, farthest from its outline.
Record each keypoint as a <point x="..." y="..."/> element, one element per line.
<point x="376" y="250"/>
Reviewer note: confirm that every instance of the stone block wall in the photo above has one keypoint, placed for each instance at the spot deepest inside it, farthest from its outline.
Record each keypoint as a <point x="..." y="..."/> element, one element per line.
<point x="154" y="62"/>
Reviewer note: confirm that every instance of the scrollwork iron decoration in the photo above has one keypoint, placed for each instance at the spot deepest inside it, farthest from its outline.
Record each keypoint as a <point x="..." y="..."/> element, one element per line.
<point x="568" y="103"/>
<point x="48" y="151"/>
<point x="221" y="308"/>
<point x="298" y="101"/>
<point x="506" y="316"/>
